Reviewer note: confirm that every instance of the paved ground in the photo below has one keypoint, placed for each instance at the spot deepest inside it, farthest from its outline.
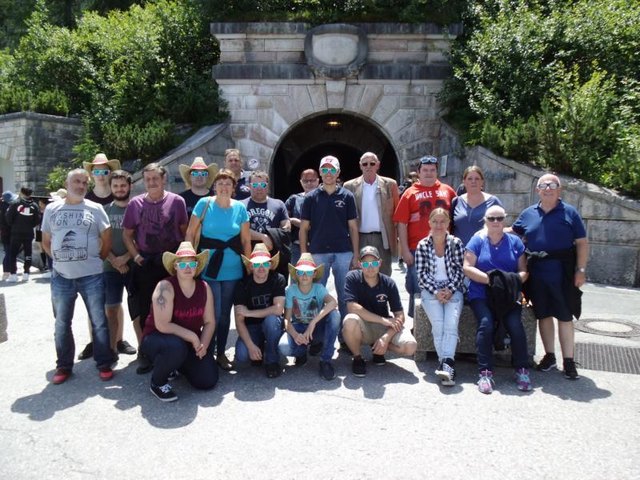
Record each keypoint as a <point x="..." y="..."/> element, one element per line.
<point x="395" y="423"/>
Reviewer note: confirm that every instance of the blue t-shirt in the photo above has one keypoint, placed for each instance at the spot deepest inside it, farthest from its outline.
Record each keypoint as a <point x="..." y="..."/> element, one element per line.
<point x="304" y="306"/>
<point x="223" y="224"/>
<point x="329" y="216"/>
<point x="265" y="215"/>
<point x="468" y="220"/>
<point x="556" y="230"/>
<point x="378" y="299"/>
<point x="503" y="256"/>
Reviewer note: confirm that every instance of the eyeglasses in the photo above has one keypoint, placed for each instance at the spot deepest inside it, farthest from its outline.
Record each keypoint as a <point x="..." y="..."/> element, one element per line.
<point x="372" y="264"/>
<point x="549" y="185"/>
<point x="259" y="184"/>
<point x="199" y="173"/>
<point x="332" y="171"/>
<point x="302" y="273"/>
<point x="428" y="159"/>
<point x="262" y="264"/>
<point x="98" y="172"/>
<point x="370" y="164"/>
<point x="183" y="265"/>
<point x="494" y="219"/>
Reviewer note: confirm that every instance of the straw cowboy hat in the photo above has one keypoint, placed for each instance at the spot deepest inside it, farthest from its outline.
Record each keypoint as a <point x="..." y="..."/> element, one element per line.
<point x="101" y="160"/>
<point x="261" y="254"/>
<point x="307" y="263"/>
<point x="198" y="164"/>
<point x="185" y="250"/>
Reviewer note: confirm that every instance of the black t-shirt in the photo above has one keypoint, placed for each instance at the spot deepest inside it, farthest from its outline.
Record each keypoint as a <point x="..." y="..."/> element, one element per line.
<point x="376" y="300"/>
<point x="256" y="296"/>
<point x="190" y="199"/>
<point x="101" y="200"/>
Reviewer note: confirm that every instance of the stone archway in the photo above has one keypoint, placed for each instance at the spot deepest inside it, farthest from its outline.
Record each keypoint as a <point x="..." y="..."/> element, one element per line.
<point x="345" y="136"/>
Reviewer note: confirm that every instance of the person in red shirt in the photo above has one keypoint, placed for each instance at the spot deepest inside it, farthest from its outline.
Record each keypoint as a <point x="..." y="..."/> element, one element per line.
<point x="412" y="216"/>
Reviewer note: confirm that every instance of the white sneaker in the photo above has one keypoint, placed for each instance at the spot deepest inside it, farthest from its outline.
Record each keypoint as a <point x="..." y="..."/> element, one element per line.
<point x="5" y="276"/>
<point x="25" y="277"/>
<point x="46" y="275"/>
<point x="13" y="278"/>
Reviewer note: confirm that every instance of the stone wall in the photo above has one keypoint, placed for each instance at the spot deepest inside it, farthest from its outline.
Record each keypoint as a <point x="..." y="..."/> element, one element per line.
<point x="31" y="144"/>
<point x="612" y="221"/>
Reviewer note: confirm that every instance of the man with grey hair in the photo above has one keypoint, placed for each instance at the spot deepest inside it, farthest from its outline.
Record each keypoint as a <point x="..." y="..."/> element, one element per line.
<point x="376" y="200"/>
<point x="76" y="234"/>
<point x="557" y="250"/>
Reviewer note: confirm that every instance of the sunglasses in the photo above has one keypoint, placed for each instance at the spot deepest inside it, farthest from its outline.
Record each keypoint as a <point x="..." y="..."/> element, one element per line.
<point x="259" y="184"/>
<point x="262" y="264"/>
<point x="311" y="180"/>
<point x="302" y="273"/>
<point x="183" y="265"/>
<point x="370" y="164"/>
<point x="494" y="219"/>
<point x="332" y="171"/>
<point x="372" y="264"/>
<point x="99" y="172"/>
<point x="427" y="160"/>
<point x="549" y="185"/>
<point x="199" y="173"/>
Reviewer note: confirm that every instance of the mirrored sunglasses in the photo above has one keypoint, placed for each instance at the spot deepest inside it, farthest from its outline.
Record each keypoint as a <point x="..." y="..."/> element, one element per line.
<point x="98" y="172"/>
<point x="549" y="185"/>
<point x="372" y="264"/>
<point x="259" y="184"/>
<point x="199" y="173"/>
<point x="183" y="265"/>
<point x="494" y="219"/>
<point x="262" y="264"/>
<point x="332" y="171"/>
<point x="302" y="273"/>
<point x="428" y="159"/>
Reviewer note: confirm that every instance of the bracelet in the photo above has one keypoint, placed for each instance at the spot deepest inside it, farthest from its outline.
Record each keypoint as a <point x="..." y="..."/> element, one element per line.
<point x="136" y="257"/>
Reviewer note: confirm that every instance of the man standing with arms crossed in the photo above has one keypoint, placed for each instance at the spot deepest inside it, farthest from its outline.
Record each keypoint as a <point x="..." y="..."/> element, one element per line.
<point x="77" y="235"/>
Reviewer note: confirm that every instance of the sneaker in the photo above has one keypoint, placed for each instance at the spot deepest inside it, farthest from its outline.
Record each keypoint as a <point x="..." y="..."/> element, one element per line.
<point x="105" y="373"/>
<point x="447" y="373"/>
<point x="485" y="381"/>
<point x="359" y="366"/>
<point x="87" y="352"/>
<point x="273" y="370"/>
<point x="144" y="364"/>
<point x="164" y="393"/>
<point x="315" y="349"/>
<point x="46" y="275"/>
<point x="301" y="360"/>
<point x="13" y="278"/>
<point x="570" y="371"/>
<point x="61" y="376"/>
<point x="326" y="371"/>
<point x="522" y="380"/>
<point x="125" y="347"/>
<point x="224" y="363"/>
<point x="547" y="363"/>
<point x="379" y="360"/>
<point x="25" y="277"/>
<point x="5" y="276"/>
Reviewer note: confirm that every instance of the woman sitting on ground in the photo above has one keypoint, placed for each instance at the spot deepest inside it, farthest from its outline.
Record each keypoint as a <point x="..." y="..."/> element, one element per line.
<point x="180" y="325"/>
<point x="496" y="264"/>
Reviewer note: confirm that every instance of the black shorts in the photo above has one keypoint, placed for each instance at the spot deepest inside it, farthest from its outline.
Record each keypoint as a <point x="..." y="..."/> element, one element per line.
<point x="548" y="300"/>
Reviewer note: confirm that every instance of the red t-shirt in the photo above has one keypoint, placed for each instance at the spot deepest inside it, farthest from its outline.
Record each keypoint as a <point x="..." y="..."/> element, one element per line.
<point x="416" y="205"/>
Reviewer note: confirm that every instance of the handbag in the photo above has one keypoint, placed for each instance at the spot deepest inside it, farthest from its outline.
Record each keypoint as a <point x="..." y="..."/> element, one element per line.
<point x="196" y="235"/>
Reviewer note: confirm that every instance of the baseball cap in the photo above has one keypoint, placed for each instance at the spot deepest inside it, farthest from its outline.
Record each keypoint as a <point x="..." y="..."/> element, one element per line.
<point x="329" y="160"/>
<point x="369" y="250"/>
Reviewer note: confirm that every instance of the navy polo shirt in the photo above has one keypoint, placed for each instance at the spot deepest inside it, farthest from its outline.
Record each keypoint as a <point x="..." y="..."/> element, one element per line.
<point x="329" y="216"/>
<point x="555" y="230"/>
<point x="376" y="299"/>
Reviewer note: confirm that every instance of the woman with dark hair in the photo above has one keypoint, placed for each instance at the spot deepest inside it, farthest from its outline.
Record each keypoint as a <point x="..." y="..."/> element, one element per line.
<point x="220" y="225"/>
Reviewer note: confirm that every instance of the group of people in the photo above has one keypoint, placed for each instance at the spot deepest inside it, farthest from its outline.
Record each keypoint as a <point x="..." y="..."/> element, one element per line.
<point x="188" y="260"/>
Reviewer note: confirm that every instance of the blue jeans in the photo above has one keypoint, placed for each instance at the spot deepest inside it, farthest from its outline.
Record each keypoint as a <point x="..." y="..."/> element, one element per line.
<point x="444" y="319"/>
<point x="170" y="352"/>
<point x="484" y="335"/>
<point x="411" y="284"/>
<point x="326" y="330"/>
<point x="64" y="292"/>
<point x="265" y="335"/>
<point x="339" y="264"/>
<point x="222" y="303"/>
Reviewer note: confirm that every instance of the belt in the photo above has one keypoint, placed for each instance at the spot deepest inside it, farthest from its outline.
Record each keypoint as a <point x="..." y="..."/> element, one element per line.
<point x="371" y="233"/>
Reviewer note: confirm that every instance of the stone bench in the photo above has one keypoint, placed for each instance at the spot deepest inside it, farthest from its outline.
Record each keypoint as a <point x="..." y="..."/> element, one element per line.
<point x="467" y="335"/>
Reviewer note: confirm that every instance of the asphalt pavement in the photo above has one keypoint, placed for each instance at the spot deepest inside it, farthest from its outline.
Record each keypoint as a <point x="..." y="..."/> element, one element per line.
<point x="397" y="422"/>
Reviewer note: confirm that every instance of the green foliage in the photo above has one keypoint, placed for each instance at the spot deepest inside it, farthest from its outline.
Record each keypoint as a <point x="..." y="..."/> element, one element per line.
<point x="146" y="142"/>
<point x="552" y="82"/>
<point x="57" y="176"/>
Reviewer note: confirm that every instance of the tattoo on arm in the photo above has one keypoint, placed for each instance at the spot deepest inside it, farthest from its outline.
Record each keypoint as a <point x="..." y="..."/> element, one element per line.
<point x="161" y="300"/>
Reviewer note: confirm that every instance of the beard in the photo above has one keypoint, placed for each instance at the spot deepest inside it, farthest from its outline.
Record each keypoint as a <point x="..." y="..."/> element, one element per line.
<point x="121" y="198"/>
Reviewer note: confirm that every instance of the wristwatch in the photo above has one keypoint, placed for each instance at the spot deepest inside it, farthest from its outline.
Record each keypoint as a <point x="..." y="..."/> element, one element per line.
<point x="581" y="269"/>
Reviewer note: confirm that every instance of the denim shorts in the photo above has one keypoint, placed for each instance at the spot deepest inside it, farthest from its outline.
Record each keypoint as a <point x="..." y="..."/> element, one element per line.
<point x="114" y="285"/>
